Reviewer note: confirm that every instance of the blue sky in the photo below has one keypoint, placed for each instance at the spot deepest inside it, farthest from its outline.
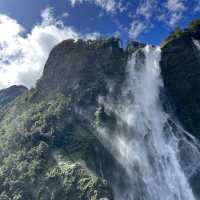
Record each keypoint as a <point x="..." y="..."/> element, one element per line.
<point x="90" y="16"/>
<point x="30" y="28"/>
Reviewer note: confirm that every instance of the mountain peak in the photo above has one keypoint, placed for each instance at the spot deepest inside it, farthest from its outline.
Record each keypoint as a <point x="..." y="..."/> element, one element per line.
<point x="79" y="65"/>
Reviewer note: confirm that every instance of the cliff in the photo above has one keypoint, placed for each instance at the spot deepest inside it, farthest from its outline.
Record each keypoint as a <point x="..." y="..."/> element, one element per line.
<point x="180" y="67"/>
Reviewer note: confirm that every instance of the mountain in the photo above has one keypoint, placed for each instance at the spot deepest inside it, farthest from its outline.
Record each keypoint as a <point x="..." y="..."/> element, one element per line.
<point x="10" y="94"/>
<point x="75" y="137"/>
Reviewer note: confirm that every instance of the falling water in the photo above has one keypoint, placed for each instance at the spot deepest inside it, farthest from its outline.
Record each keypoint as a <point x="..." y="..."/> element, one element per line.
<point x="147" y="142"/>
<point x="197" y="44"/>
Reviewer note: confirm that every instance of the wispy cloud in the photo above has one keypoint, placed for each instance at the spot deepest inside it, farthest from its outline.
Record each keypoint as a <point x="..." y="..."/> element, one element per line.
<point x="175" y="5"/>
<point x="22" y="57"/>
<point x="197" y="6"/>
<point x="65" y="14"/>
<point x="146" y="8"/>
<point x="143" y="13"/>
<point x="137" y="27"/>
<point x="173" y="12"/>
<point x="108" y="5"/>
<point x="142" y="19"/>
<point x="149" y="12"/>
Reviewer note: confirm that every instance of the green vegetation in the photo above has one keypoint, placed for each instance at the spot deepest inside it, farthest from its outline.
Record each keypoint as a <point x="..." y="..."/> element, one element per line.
<point x="178" y="32"/>
<point x="31" y="134"/>
<point x="194" y="24"/>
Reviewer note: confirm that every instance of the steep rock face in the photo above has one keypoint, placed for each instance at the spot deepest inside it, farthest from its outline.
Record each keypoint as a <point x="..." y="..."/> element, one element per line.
<point x="79" y="68"/>
<point x="180" y="67"/>
<point x="10" y="94"/>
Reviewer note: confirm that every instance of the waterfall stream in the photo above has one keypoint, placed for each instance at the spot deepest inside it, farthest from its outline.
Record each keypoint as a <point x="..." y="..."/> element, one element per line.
<point x="197" y="44"/>
<point x="157" y="154"/>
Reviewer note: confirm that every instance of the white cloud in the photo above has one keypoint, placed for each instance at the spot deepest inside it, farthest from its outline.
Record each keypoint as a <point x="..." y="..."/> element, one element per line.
<point x="146" y="8"/>
<point x="171" y="19"/>
<point x="137" y="27"/>
<point x="175" y="5"/>
<point x="174" y="12"/>
<point x="142" y="19"/>
<point x="143" y="13"/>
<point x="197" y="6"/>
<point x="23" y="55"/>
<point x="108" y="5"/>
<point x="48" y="16"/>
<point x="9" y="28"/>
<point x="150" y="11"/>
<point x="65" y="14"/>
<point x="92" y="36"/>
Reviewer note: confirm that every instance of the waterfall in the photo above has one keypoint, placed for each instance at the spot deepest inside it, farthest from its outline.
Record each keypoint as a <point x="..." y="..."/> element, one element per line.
<point x="148" y="142"/>
<point x="197" y="44"/>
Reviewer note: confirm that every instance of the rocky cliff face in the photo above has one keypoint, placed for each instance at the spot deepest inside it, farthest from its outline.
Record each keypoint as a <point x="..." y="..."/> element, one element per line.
<point x="180" y="66"/>
<point x="82" y="68"/>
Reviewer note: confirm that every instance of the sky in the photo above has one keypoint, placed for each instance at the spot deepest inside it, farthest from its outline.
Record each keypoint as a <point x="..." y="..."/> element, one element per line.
<point x="29" y="29"/>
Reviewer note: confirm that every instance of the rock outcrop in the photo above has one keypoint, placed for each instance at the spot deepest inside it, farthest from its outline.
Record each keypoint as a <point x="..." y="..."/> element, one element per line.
<point x="82" y="68"/>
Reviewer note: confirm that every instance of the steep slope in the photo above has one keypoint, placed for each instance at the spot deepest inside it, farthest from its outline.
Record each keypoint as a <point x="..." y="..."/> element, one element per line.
<point x="10" y="94"/>
<point x="180" y="66"/>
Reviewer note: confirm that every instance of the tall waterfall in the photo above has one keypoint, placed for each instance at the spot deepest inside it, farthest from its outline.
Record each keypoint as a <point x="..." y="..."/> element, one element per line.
<point x="148" y="142"/>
